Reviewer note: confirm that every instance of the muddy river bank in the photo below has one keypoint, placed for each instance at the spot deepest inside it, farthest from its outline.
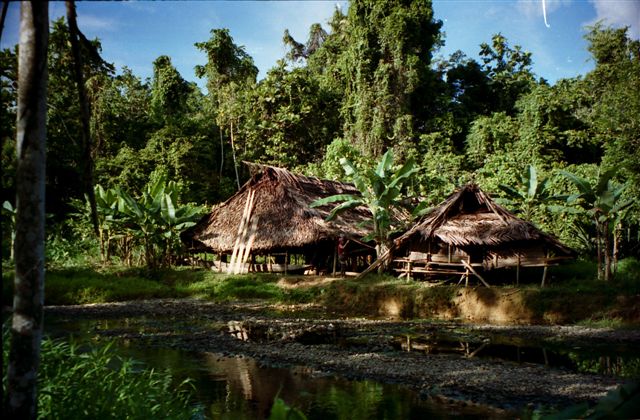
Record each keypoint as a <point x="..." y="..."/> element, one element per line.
<point x="504" y="368"/>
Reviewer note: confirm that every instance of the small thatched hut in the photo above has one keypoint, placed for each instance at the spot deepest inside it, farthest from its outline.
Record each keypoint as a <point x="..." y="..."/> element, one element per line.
<point x="469" y="231"/>
<point x="271" y="216"/>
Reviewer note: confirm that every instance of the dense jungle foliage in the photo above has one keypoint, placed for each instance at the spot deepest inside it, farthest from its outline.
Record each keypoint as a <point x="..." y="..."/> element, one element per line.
<point x="565" y="156"/>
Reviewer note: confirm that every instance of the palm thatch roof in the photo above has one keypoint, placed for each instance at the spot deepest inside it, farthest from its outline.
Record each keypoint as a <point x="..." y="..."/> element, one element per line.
<point x="282" y="214"/>
<point x="470" y="218"/>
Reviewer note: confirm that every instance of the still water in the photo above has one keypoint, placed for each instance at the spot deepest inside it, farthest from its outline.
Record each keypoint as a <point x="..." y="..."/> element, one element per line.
<point x="242" y="388"/>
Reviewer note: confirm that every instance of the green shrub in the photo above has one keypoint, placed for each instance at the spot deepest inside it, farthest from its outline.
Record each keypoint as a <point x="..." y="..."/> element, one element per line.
<point x="583" y="270"/>
<point x="65" y="247"/>
<point x="627" y="275"/>
<point x="93" y="383"/>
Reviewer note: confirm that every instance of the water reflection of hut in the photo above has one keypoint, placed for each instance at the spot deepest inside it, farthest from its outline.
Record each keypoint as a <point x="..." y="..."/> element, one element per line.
<point x="469" y="233"/>
<point x="270" y="216"/>
<point x="247" y="381"/>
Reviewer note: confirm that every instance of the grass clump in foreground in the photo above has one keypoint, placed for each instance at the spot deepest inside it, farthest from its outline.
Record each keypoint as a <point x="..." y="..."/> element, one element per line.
<point x="75" y="383"/>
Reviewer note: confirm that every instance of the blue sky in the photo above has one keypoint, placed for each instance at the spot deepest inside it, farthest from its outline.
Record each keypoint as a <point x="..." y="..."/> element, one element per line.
<point x="136" y="33"/>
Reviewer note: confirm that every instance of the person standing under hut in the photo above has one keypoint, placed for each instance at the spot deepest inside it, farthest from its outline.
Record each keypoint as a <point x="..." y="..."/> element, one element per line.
<point x="342" y="254"/>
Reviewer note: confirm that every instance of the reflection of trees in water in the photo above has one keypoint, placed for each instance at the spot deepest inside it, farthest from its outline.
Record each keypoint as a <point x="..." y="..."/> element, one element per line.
<point x="251" y="389"/>
<point x="608" y="365"/>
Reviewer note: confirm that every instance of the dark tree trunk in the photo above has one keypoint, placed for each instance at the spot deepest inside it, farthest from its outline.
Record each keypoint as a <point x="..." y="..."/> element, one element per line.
<point x="617" y="233"/>
<point x="5" y="7"/>
<point x="599" y="248"/>
<point x="26" y="327"/>
<point x="607" y="251"/>
<point x="87" y="156"/>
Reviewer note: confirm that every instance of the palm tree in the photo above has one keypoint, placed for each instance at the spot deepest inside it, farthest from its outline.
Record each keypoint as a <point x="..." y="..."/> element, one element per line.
<point x="603" y="203"/>
<point x="380" y="191"/>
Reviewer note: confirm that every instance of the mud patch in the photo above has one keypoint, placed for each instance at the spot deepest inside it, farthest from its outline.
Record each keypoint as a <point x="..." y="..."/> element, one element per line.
<point x="490" y="305"/>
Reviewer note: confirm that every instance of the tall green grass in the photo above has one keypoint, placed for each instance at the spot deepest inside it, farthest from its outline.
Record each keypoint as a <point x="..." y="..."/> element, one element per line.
<point x="93" y="383"/>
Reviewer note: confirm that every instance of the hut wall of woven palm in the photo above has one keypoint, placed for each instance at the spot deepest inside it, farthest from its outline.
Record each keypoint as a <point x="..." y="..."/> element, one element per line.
<point x="282" y="213"/>
<point x="469" y="219"/>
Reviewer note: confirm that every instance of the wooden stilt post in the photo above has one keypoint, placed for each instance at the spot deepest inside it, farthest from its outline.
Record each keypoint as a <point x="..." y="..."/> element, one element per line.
<point x="518" y="271"/>
<point x="335" y="261"/>
<point x="544" y="272"/>
<point x="286" y="261"/>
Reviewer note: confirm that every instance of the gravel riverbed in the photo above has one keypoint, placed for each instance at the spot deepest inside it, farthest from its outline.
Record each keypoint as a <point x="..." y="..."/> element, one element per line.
<point x="360" y="348"/>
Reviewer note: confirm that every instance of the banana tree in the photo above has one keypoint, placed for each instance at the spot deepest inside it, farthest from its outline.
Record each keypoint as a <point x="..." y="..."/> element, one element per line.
<point x="531" y="192"/>
<point x="380" y="191"/>
<point x="604" y="204"/>
<point x="107" y="212"/>
<point x="156" y="219"/>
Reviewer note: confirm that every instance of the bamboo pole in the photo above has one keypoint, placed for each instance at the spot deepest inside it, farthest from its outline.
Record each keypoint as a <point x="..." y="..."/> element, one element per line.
<point x="252" y="236"/>
<point x="470" y="268"/>
<point x="238" y="233"/>
<point x="478" y="350"/>
<point x="243" y="251"/>
<point x="377" y="263"/>
<point x="241" y="235"/>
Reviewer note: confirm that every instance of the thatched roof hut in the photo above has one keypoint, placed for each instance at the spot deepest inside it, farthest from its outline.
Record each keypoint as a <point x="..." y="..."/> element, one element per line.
<point x="275" y="205"/>
<point x="470" y="227"/>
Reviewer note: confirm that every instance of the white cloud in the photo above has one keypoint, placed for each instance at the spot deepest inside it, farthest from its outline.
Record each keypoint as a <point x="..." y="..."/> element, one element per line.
<point x="95" y="23"/>
<point x="619" y="13"/>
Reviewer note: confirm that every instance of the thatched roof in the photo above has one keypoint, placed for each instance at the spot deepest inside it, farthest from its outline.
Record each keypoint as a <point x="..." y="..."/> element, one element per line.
<point x="470" y="218"/>
<point x="284" y="218"/>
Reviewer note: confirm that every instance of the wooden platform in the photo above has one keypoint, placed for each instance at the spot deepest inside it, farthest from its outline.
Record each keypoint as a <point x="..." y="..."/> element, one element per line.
<point x="407" y="267"/>
<point x="261" y="268"/>
<point x="417" y="265"/>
